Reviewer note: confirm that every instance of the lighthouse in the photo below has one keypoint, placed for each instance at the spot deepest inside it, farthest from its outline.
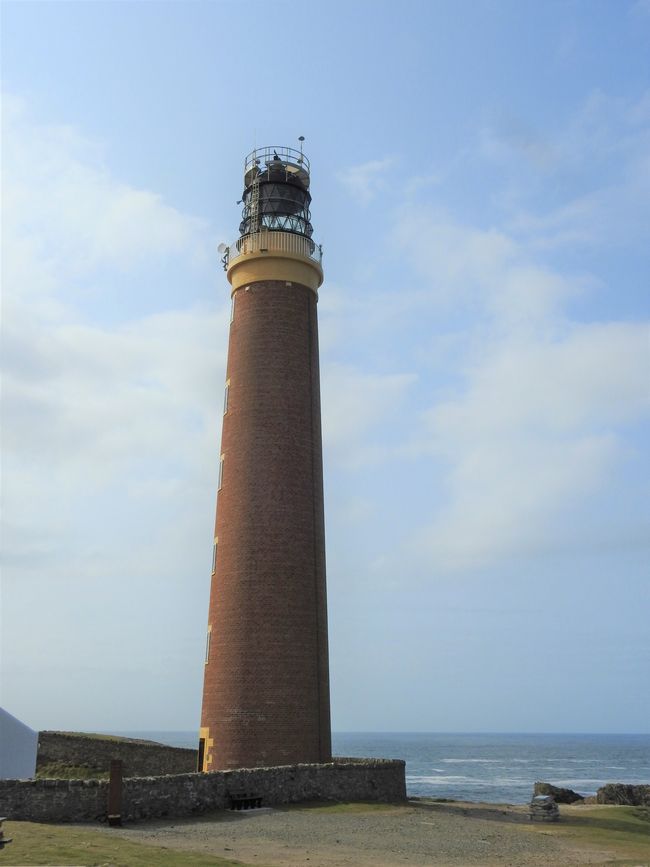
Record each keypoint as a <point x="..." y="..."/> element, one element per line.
<point x="266" y="681"/>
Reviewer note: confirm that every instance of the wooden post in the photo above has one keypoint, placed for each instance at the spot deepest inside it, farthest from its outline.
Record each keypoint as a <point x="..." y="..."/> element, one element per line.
<point x="115" y="794"/>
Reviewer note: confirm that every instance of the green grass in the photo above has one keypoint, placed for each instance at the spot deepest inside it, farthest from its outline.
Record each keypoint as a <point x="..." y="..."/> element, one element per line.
<point x="35" y="844"/>
<point x="100" y="737"/>
<point x="624" y="830"/>
<point x="65" y="771"/>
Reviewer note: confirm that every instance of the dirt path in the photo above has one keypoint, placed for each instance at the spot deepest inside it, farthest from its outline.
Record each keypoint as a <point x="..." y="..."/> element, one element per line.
<point x="422" y="834"/>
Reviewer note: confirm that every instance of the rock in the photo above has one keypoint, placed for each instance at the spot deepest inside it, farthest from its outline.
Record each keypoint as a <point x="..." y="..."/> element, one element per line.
<point x="544" y="809"/>
<point x="621" y="793"/>
<point x="560" y="796"/>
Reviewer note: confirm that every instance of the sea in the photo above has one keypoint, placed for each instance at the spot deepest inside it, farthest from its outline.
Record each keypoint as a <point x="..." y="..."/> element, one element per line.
<point x="495" y="768"/>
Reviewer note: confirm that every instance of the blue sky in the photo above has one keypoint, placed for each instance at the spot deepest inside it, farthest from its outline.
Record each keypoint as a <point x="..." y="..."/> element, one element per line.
<point x="480" y="185"/>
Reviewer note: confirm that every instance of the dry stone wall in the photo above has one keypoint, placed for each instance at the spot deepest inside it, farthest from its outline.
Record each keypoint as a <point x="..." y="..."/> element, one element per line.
<point x="140" y="758"/>
<point x="190" y="794"/>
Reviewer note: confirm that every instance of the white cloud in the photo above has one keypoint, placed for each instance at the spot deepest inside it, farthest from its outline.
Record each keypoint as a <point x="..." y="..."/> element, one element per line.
<point x="80" y="393"/>
<point x="528" y="444"/>
<point x="110" y="414"/>
<point x="594" y="375"/>
<point x="504" y="496"/>
<point x="597" y="165"/>
<point x="482" y="270"/>
<point x="531" y="434"/>
<point x="91" y="396"/>
<point x="364" y="181"/>
<point x="451" y="254"/>
<point x="68" y="215"/>
<point x="536" y="430"/>
<point x="354" y="403"/>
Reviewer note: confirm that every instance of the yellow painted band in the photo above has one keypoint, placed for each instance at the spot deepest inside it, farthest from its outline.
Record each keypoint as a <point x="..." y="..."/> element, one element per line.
<point x="204" y="732"/>
<point x="274" y="265"/>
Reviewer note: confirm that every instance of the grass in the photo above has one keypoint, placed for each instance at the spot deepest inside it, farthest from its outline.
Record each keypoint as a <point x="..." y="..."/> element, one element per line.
<point x="625" y="830"/>
<point x="35" y="844"/>
<point x="65" y="771"/>
<point x="100" y="737"/>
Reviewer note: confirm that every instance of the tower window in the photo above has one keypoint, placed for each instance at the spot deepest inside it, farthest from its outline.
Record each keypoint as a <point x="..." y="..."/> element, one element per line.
<point x="214" y="556"/>
<point x="232" y="308"/>
<point x="225" y="397"/>
<point x="220" y="472"/>
<point x="208" y="641"/>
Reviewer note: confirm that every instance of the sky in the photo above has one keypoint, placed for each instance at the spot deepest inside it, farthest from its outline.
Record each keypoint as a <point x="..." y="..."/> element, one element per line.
<point x="481" y="188"/>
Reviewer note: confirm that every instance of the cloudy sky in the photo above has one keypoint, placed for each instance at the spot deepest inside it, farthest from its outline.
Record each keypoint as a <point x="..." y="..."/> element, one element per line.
<point x="481" y="187"/>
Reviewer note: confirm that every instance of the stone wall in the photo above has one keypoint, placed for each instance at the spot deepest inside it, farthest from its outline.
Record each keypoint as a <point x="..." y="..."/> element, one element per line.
<point x="191" y="794"/>
<point x="140" y="758"/>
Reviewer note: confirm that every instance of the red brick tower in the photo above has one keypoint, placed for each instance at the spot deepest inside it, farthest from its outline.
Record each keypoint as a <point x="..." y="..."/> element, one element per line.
<point x="266" y="687"/>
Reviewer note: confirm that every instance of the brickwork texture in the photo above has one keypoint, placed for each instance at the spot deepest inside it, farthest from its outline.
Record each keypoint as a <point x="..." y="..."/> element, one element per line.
<point x="266" y="687"/>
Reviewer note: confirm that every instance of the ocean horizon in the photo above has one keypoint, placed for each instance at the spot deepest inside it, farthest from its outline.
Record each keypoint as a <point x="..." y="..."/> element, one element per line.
<point x="490" y="767"/>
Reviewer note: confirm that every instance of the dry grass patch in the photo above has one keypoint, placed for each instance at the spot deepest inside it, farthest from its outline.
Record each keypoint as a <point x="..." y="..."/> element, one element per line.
<point x="341" y="806"/>
<point x="624" y="830"/>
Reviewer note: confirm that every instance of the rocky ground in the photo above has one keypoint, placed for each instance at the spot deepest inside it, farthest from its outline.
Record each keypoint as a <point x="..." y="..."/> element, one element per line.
<point x="420" y="833"/>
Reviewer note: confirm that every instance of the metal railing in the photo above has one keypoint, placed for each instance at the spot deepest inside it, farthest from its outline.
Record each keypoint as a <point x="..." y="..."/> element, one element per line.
<point x="261" y="156"/>
<point x="284" y="242"/>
